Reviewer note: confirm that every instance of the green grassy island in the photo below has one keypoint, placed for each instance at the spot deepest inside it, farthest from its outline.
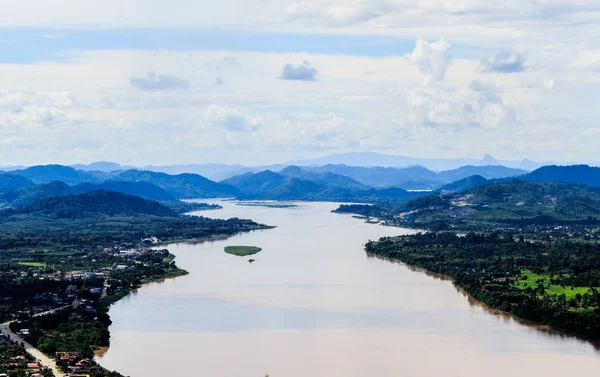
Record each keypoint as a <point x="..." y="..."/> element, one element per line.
<point x="242" y="251"/>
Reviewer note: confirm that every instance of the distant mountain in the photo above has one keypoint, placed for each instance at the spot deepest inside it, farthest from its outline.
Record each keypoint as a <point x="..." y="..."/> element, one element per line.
<point x="142" y="189"/>
<point x="463" y="184"/>
<point x="516" y="200"/>
<point x="487" y="172"/>
<point x="578" y="174"/>
<point x="413" y="177"/>
<point x="371" y="159"/>
<point x="269" y="185"/>
<point x="324" y="179"/>
<point x="181" y="186"/>
<point x="95" y="203"/>
<point x="103" y="166"/>
<point x="215" y="172"/>
<point x="51" y="173"/>
<point x="381" y="177"/>
<point x="13" y="182"/>
<point x="23" y="196"/>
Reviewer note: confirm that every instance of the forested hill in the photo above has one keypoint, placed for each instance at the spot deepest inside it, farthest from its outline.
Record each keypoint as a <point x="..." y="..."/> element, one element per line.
<point x="578" y="174"/>
<point x="464" y="184"/>
<point x="142" y="189"/>
<point x="275" y="186"/>
<point x="92" y="203"/>
<point x="181" y="186"/>
<point x="13" y="182"/>
<point x="89" y="220"/>
<point x="66" y="174"/>
<point x="23" y="196"/>
<point x="513" y="200"/>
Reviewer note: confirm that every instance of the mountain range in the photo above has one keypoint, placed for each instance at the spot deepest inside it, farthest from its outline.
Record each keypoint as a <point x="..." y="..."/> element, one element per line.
<point x="414" y="177"/>
<point x="327" y="183"/>
<point x="371" y="159"/>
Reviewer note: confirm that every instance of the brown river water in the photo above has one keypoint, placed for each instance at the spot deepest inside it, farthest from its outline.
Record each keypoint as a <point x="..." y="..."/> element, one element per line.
<point x="315" y="305"/>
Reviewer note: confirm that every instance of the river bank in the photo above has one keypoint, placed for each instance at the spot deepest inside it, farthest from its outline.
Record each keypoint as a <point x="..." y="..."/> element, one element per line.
<point x="495" y="270"/>
<point x="315" y="304"/>
<point x="495" y="311"/>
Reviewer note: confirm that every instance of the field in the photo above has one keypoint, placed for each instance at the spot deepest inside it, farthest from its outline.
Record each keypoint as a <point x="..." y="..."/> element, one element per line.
<point x="33" y="264"/>
<point x="242" y="251"/>
<point x="532" y="281"/>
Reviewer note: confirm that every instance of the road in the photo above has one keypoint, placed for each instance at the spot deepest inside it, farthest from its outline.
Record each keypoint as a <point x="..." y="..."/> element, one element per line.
<point x="43" y="359"/>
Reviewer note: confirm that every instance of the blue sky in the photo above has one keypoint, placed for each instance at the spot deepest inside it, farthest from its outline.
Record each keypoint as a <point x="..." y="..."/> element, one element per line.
<point x="266" y="81"/>
<point x="25" y="45"/>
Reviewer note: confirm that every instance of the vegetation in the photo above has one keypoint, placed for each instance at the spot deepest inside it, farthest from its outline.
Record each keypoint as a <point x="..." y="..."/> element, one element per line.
<point x="361" y="209"/>
<point x="142" y="189"/>
<point x="184" y="207"/>
<point x="464" y="184"/>
<point x="577" y="174"/>
<point x="55" y="227"/>
<point x="181" y="186"/>
<point x="242" y="251"/>
<point x="503" y="205"/>
<point x="552" y="283"/>
<point x="26" y="195"/>
<point x="14" y="360"/>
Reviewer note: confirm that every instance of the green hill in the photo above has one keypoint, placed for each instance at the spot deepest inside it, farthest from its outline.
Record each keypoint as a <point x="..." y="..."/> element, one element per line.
<point x="463" y="184"/>
<point x="94" y="203"/>
<point x="578" y="174"/>
<point x="327" y="179"/>
<point x="181" y="186"/>
<point x="506" y="201"/>
<point x="51" y="173"/>
<point x="273" y="186"/>
<point x="10" y="182"/>
<point x="26" y="195"/>
<point x="142" y="189"/>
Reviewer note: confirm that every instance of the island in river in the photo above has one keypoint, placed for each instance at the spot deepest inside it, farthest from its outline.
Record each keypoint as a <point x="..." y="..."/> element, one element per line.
<point x="242" y="251"/>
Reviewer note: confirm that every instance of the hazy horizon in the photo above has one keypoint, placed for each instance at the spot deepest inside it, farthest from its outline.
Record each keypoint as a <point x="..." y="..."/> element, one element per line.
<point x="486" y="159"/>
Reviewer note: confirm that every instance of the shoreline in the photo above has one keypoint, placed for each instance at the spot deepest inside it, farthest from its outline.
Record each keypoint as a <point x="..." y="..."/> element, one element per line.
<point x="101" y="351"/>
<point x="497" y="312"/>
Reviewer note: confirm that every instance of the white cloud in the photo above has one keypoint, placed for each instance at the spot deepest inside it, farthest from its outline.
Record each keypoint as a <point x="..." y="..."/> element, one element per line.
<point x="224" y="117"/>
<point x="468" y="113"/>
<point x="504" y="62"/>
<point x="432" y="59"/>
<point x="153" y="81"/>
<point x="299" y="72"/>
<point x="587" y="60"/>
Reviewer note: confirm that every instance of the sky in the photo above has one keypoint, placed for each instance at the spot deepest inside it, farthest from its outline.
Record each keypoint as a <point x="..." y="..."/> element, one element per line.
<point x="267" y="81"/>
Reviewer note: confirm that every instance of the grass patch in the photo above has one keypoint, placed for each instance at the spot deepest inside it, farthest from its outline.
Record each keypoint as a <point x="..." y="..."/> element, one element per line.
<point x="242" y="251"/>
<point x="33" y="264"/>
<point x="533" y="279"/>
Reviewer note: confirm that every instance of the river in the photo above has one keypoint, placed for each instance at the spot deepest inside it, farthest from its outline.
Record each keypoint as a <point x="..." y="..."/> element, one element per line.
<point x="315" y="305"/>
